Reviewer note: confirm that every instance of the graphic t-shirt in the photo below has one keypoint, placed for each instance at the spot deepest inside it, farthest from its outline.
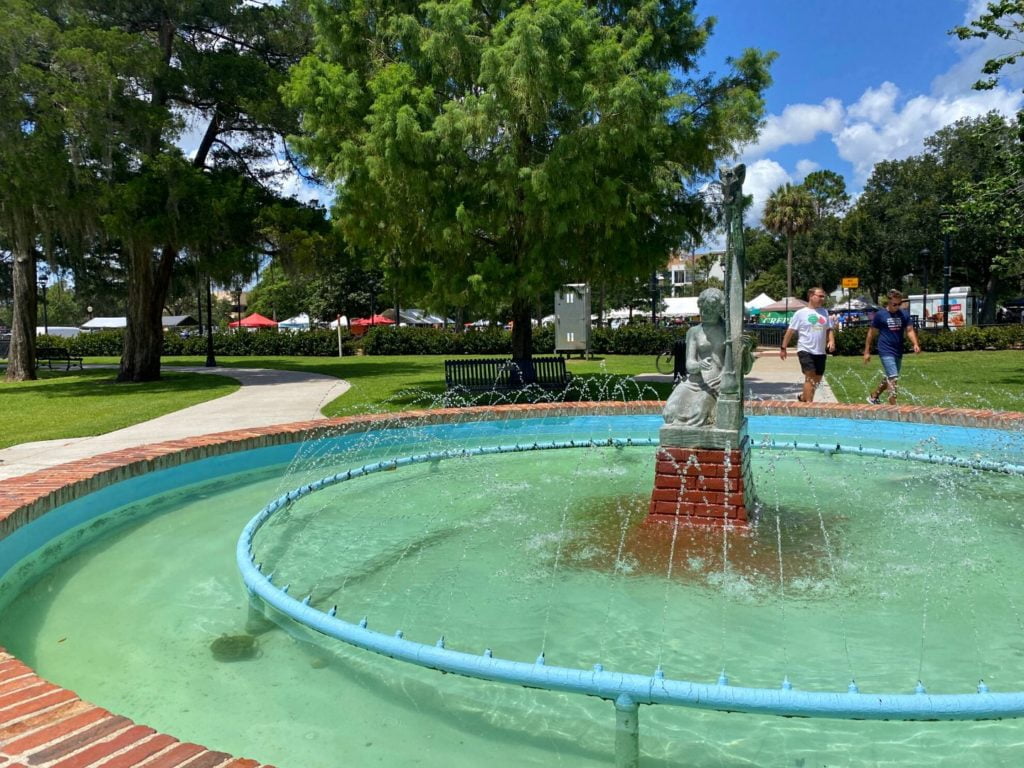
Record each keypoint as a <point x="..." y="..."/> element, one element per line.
<point x="811" y="326"/>
<point x="891" y="327"/>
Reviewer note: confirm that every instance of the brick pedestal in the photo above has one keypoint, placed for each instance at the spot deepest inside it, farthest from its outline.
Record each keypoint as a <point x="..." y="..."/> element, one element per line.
<point x="707" y="486"/>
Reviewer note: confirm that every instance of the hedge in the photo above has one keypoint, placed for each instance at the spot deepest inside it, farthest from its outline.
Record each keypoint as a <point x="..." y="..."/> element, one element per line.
<point x="640" y="339"/>
<point x="245" y="344"/>
<point x="850" y="341"/>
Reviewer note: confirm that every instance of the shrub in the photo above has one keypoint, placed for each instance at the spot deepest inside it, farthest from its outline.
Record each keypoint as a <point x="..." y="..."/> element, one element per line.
<point x="850" y="341"/>
<point x="307" y="343"/>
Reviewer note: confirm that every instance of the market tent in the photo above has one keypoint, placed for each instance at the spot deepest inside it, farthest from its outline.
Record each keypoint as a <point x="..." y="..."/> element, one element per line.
<point x="681" y="306"/>
<point x="341" y="320"/>
<point x="791" y="304"/>
<point x="418" y="317"/>
<point x="105" y="323"/>
<point x="778" y="313"/>
<point x="372" y="320"/>
<point x="759" y="302"/>
<point x="253" y="321"/>
<point x="855" y="305"/>
<point x="177" y="321"/>
<point x="298" y="323"/>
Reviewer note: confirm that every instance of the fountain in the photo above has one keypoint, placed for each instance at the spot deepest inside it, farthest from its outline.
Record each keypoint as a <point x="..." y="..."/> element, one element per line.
<point x="537" y="569"/>
<point x="513" y="549"/>
<point x="705" y="427"/>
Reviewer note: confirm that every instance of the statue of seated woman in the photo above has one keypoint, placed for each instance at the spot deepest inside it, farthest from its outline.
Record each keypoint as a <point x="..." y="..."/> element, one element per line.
<point x="692" y="402"/>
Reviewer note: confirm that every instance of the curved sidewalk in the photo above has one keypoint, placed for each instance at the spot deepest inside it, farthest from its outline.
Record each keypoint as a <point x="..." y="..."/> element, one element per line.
<point x="266" y="397"/>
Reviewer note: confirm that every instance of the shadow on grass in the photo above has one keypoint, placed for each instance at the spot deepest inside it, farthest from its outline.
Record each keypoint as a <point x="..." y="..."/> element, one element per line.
<point x="93" y="383"/>
<point x="345" y="367"/>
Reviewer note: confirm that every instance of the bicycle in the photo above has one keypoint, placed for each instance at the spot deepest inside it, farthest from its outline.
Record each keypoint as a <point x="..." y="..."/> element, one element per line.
<point x="665" y="362"/>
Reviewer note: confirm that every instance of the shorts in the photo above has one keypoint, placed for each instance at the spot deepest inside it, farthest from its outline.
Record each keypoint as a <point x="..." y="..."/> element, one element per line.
<point x="812" y="363"/>
<point x="891" y="364"/>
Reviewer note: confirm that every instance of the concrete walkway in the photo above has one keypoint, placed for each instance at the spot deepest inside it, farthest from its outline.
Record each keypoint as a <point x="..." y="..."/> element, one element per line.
<point x="266" y="397"/>
<point x="771" y="379"/>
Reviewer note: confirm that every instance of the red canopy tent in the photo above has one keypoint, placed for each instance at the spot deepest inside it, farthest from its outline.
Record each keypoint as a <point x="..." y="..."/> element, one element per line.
<point x="373" y="320"/>
<point x="255" y="320"/>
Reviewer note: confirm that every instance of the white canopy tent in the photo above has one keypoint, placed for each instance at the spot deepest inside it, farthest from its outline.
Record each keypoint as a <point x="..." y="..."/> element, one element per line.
<point x="298" y="323"/>
<point x="681" y="306"/>
<point x="342" y="320"/>
<point x="105" y="323"/>
<point x="759" y="302"/>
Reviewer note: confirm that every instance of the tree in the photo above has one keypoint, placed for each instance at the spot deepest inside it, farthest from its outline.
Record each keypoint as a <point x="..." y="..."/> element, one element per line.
<point x="966" y="171"/>
<point x="990" y="211"/>
<point x="1005" y="20"/>
<point x="217" y="66"/>
<point x="789" y="211"/>
<point x="65" y="112"/>
<point x="828" y="189"/>
<point x="504" y="148"/>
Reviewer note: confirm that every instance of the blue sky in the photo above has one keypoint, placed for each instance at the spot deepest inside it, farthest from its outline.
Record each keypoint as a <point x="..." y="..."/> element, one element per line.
<point x="855" y="82"/>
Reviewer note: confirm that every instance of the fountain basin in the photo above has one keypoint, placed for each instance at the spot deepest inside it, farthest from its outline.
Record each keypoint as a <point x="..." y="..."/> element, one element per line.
<point x="551" y="415"/>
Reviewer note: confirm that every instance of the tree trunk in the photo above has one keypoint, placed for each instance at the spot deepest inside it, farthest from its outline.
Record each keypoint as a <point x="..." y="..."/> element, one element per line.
<point x="21" y="360"/>
<point x="789" y="266"/>
<point x="522" y="330"/>
<point x="147" y="291"/>
<point x="988" y="306"/>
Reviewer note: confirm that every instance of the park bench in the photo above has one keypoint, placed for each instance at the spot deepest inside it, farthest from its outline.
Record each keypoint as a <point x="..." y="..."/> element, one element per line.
<point x="50" y="355"/>
<point x="503" y="375"/>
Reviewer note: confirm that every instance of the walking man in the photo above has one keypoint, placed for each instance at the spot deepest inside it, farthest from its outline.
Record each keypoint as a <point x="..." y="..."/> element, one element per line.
<point x="815" y="337"/>
<point x="890" y="325"/>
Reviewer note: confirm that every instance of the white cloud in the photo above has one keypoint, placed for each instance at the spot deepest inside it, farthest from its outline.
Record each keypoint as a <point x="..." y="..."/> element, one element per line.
<point x="798" y="124"/>
<point x="875" y="104"/>
<point x="897" y="133"/>
<point x="763" y="178"/>
<point x="805" y="167"/>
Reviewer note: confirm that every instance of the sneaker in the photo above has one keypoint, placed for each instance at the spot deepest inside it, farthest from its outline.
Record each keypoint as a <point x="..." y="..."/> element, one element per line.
<point x="874" y="400"/>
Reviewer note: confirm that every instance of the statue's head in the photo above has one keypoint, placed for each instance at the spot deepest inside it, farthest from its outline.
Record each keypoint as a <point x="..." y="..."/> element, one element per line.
<point x="711" y="301"/>
<point x="732" y="181"/>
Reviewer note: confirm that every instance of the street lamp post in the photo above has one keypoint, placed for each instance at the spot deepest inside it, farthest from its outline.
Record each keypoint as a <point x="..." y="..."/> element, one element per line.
<point x="654" y="298"/>
<point x="211" y="361"/>
<point x="925" y="256"/>
<point x="46" y="321"/>
<point x="947" y="269"/>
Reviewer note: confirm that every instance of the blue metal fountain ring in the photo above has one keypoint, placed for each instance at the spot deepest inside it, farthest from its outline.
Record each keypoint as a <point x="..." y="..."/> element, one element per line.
<point x="642" y="689"/>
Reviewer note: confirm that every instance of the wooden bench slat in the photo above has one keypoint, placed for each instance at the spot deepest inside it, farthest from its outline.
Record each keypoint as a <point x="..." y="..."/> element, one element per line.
<point x="503" y="374"/>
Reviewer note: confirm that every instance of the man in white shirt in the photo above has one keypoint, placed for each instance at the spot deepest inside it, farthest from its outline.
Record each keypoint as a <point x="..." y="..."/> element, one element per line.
<point x="815" y="337"/>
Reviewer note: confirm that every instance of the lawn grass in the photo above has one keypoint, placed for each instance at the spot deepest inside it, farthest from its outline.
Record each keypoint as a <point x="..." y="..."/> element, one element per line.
<point x="89" y="402"/>
<point x="404" y="382"/>
<point x="990" y="379"/>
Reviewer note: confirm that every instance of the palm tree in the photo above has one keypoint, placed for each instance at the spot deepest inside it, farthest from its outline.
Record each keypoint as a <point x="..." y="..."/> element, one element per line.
<point x="789" y="211"/>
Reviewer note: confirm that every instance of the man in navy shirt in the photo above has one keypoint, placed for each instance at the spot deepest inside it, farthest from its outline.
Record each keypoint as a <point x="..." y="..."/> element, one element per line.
<point x="890" y="325"/>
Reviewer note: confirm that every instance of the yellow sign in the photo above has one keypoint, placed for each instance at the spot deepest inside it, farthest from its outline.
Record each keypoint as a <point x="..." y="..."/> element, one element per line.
<point x="851" y="282"/>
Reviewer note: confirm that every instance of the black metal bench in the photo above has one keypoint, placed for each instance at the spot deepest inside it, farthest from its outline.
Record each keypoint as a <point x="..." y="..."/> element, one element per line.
<point x="504" y="375"/>
<point x="50" y="355"/>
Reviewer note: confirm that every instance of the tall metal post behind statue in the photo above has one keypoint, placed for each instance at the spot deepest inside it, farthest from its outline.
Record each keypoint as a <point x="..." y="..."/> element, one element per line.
<point x="703" y="464"/>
